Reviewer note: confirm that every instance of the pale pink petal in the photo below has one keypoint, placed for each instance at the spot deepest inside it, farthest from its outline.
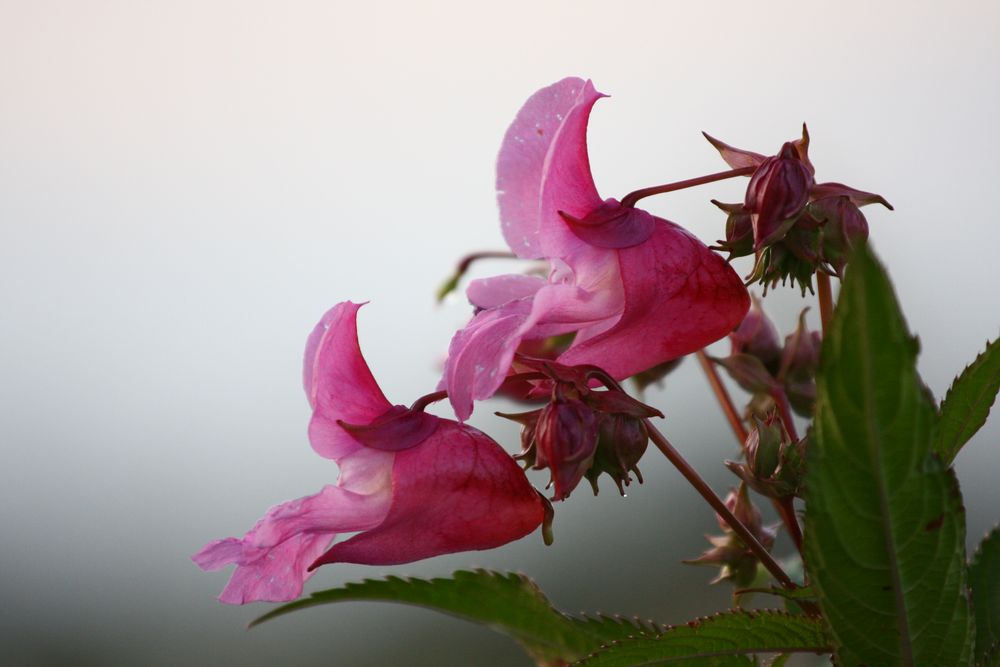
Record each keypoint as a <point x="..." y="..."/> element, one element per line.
<point x="272" y="559"/>
<point x="522" y="159"/>
<point x="567" y="185"/>
<point x="458" y="491"/>
<point x="492" y="292"/>
<point x="560" y="309"/>
<point x="679" y="297"/>
<point x="481" y="353"/>
<point x="338" y="382"/>
<point x="736" y="158"/>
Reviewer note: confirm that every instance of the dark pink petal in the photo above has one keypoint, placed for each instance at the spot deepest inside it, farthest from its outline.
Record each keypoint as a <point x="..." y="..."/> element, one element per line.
<point x="521" y="164"/>
<point x="612" y="225"/>
<point x="858" y="197"/>
<point x="338" y="382"/>
<point x="492" y="292"/>
<point x="272" y="559"/>
<point x="458" y="491"/>
<point x="398" y="428"/>
<point x="679" y="297"/>
<point x="736" y="158"/>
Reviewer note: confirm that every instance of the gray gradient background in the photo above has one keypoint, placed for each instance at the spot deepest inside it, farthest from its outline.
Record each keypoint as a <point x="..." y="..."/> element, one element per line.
<point x="186" y="186"/>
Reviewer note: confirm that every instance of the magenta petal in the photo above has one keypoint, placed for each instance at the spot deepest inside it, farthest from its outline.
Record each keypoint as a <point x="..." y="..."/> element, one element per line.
<point x="498" y="290"/>
<point x="399" y="428"/>
<point x="273" y="558"/>
<point x="612" y="225"/>
<point x="522" y="162"/>
<point x="338" y="382"/>
<point x="736" y="158"/>
<point x="458" y="491"/>
<point x="679" y="297"/>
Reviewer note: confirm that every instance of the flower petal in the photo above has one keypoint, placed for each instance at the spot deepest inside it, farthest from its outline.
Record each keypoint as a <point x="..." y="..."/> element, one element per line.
<point x="679" y="297"/>
<point x="498" y="290"/>
<point x="272" y="559"/>
<point x="338" y="382"/>
<point x="525" y="158"/>
<point x="458" y="491"/>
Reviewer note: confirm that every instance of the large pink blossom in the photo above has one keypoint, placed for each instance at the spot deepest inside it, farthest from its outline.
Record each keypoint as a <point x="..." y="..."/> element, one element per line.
<point x="413" y="484"/>
<point x="635" y="289"/>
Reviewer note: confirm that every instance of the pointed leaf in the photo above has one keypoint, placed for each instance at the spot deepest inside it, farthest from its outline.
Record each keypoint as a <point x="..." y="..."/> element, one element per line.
<point x="984" y="581"/>
<point x="509" y="603"/>
<point x="722" y="639"/>
<point x="968" y="402"/>
<point x="885" y="529"/>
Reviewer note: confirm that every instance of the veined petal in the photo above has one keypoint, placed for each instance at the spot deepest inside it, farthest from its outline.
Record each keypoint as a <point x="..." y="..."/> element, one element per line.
<point x="458" y="491"/>
<point x="525" y="161"/>
<point x="679" y="297"/>
<point x="272" y="559"/>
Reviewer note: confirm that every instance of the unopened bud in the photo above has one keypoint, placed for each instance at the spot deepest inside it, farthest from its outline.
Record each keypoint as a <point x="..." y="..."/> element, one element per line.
<point x="739" y="230"/>
<point x="845" y="229"/>
<point x="622" y="442"/>
<point x="757" y="337"/>
<point x="565" y="438"/>
<point x="777" y="194"/>
<point x="798" y="367"/>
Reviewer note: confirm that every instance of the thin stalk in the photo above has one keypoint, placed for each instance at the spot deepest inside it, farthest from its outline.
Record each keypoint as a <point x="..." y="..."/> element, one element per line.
<point x="719" y="506"/>
<point x="722" y="395"/>
<point x="785" y="410"/>
<point x="786" y="510"/>
<point x="825" y="294"/>
<point x="631" y="198"/>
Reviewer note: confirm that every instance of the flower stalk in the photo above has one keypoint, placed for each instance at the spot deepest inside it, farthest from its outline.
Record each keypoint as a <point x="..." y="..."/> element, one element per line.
<point x="631" y="198"/>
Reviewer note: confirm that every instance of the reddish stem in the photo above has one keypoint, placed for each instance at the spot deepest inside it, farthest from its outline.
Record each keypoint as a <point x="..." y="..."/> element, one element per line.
<point x="781" y="399"/>
<point x="424" y="401"/>
<point x="722" y="395"/>
<point x="719" y="506"/>
<point x="825" y="294"/>
<point x="631" y="198"/>
<point x="786" y="510"/>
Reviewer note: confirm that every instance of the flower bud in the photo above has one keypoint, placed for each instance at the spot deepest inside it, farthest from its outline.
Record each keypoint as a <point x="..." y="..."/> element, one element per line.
<point x="845" y="228"/>
<point x="775" y="466"/>
<point x="739" y="230"/>
<point x="736" y="562"/>
<point x="757" y="337"/>
<point x="529" y="424"/>
<point x="621" y="443"/>
<point x="565" y="439"/>
<point x="799" y="363"/>
<point x="776" y="195"/>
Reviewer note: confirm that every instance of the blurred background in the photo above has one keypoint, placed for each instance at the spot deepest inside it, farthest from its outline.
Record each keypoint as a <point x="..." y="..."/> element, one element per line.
<point x="185" y="187"/>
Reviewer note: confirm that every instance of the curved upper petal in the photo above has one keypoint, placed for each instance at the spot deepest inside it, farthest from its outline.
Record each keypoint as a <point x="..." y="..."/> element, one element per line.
<point x="546" y="144"/>
<point x="338" y="383"/>
<point x="458" y="491"/>
<point x="272" y="559"/>
<point x="679" y="297"/>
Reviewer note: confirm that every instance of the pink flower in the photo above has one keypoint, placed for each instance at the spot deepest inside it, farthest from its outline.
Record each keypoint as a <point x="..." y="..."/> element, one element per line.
<point x="635" y="289"/>
<point x="413" y="484"/>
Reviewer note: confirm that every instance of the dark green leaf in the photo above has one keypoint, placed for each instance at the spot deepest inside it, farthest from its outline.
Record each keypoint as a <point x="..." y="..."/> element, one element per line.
<point x="968" y="402"/>
<point x="984" y="580"/>
<point x="722" y="639"/>
<point x="885" y="531"/>
<point x="509" y="603"/>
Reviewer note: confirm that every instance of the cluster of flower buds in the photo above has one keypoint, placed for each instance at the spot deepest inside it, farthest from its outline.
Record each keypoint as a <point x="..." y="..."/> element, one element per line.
<point x="736" y="562"/>
<point x="770" y="371"/>
<point x="583" y="430"/>
<point x="794" y="225"/>
<point x="775" y="464"/>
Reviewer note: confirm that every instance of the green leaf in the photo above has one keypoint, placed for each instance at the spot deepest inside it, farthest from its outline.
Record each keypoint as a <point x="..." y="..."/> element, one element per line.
<point x="968" y="402"/>
<point x="984" y="581"/>
<point x="508" y="603"/>
<point x="722" y="639"/>
<point x="885" y="530"/>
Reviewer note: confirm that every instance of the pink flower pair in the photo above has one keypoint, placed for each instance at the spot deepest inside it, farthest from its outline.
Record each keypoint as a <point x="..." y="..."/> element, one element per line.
<point x="635" y="290"/>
